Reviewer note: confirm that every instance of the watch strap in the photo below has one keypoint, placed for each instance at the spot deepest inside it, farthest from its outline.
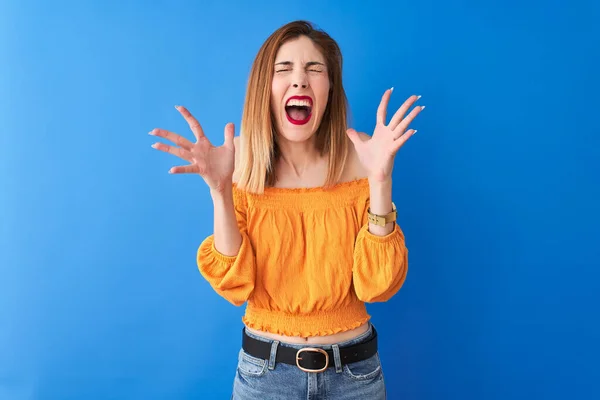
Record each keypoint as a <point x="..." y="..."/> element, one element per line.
<point x="382" y="220"/>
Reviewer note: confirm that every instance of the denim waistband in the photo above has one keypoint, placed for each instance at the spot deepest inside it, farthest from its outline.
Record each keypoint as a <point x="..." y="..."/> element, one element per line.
<point x="359" y="339"/>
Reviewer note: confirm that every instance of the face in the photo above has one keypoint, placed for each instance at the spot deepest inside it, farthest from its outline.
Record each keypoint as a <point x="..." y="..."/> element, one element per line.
<point x="300" y="89"/>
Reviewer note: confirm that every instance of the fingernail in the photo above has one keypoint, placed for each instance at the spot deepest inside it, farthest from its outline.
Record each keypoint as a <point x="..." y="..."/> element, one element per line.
<point x="153" y="145"/>
<point x="151" y="132"/>
<point x="177" y="108"/>
<point x="418" y="97"/>
<point x="415" y="132"/>
<point x="392" y="89"/>
<point x="422" y="108"/>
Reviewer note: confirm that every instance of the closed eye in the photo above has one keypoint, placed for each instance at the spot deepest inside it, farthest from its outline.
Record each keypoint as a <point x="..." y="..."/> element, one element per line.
<point x="287" y="70"/>
<point x="310" y="66"/>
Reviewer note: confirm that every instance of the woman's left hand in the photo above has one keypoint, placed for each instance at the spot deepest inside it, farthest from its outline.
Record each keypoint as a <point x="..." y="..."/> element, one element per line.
<point x="377" y="153"/>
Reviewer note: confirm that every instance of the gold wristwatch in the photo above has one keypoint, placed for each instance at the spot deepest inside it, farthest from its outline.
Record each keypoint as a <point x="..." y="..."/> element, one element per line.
<point x="382" y="220"/>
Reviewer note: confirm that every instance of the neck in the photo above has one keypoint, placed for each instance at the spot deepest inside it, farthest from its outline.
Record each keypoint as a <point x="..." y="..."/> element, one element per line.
<point x="297" y="158"/>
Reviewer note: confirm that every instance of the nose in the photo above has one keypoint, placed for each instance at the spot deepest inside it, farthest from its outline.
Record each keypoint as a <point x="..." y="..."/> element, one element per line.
<point x="299" y="79"/>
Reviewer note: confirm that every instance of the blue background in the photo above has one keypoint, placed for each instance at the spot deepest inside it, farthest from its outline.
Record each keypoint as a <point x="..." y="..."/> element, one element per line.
<point x="498" y="193"/>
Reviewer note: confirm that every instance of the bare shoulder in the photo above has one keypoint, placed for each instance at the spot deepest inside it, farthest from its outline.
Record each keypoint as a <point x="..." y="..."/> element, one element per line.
<point x="236" y="169"/>
<point x="364" y="136"/>
<point x="354" y="167"/>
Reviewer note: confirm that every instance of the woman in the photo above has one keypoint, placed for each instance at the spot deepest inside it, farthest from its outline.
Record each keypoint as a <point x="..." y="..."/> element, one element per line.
<point x="304" y="223"/>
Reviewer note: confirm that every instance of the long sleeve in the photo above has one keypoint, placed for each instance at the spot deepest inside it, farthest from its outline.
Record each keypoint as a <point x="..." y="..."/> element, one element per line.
<point x="380" y="264"/>
<point x="231" y="277"/>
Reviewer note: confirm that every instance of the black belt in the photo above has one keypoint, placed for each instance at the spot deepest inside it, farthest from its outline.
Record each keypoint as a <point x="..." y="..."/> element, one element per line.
<point x="310" y="359"/>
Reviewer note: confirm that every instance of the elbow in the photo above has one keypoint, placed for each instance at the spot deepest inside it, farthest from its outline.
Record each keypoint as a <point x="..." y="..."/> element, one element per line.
<point x="232" y="277"/>
<point x="382" y="287"/>
<point x="380" y="295"/>
<point x="237" y="295"/>
<point x="380" y="265"/>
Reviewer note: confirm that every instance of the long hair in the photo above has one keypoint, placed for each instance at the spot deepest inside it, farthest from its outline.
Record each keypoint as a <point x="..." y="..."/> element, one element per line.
<point x="259" y="149"/>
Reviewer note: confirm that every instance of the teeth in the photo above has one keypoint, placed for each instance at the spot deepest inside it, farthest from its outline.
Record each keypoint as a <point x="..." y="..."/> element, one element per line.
<point x="296" y="102"/>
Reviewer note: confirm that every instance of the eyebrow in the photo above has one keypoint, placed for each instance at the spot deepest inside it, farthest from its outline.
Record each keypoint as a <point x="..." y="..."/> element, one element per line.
<point x="308" y="64"/>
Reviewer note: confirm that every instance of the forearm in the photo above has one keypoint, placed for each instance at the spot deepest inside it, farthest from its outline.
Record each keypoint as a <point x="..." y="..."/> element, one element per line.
<point x="227" y="236"/>
<point x="381" y="203"/>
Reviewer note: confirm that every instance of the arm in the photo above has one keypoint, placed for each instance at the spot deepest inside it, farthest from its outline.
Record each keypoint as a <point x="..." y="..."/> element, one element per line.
<point x="227" y="236"/>
<point x="380" y="253"/>
<point x="226" y="259"/>
<point x="381" y="204"/>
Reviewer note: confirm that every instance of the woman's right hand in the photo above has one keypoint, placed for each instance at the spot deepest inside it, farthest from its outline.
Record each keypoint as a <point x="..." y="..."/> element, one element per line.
<point x="214" y="164"/>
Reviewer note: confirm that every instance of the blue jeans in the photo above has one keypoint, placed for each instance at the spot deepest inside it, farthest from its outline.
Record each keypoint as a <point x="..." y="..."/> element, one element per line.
<point x="264" y="379"/>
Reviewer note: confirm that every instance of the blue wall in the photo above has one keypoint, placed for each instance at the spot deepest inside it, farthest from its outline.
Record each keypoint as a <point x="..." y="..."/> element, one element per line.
<point x="498" y="193"/>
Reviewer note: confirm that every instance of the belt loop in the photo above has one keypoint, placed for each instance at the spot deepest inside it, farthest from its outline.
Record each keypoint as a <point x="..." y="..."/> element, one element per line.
<point x="273" y="355"/>
<point x="337" y="358"/>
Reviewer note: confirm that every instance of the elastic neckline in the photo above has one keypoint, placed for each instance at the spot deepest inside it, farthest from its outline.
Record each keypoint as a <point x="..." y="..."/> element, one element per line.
<point x="338" y="186"/>
<point x="341" y="194"/>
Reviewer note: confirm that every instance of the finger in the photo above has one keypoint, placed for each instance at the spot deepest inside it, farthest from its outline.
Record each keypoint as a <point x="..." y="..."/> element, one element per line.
<point x="397" y="118"/>
<point x="402" y="139"/>
<point x="176" y="151"/>
<point x="173" y="137"/>
<point x="382" y="109"/>
<point x="229" y="134"/>
<point x="409" y="118"/>
<point x="192" y="122"/>
<point x="184" y="169"/>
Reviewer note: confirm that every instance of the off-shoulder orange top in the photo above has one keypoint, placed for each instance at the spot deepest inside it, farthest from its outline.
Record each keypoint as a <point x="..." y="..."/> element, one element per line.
<point x="308" y="263"/>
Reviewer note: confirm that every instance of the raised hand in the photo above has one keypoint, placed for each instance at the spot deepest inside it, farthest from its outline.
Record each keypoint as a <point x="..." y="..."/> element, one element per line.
<point x="214" y="164"/>
<point x="377" y="153"/>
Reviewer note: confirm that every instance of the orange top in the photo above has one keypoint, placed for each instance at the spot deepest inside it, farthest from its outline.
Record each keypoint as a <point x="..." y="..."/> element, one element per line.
<point x="307" y="263"/>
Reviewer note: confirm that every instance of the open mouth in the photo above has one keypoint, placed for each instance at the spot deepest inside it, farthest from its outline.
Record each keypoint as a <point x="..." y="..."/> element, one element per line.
<point x="298" y="109"/>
